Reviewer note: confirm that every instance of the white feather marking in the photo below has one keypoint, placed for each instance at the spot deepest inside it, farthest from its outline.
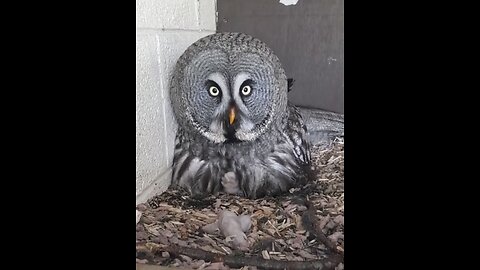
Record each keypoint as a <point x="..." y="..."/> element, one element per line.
<point x="215" y="130"/>
<point x="215" y="137"/>
<point x="216" y="126"/>
<point x="221" y="81"/>
<point x="246" y="135"/>
<point x="259" y="177"/>
<point x="192" y="169"/>
<point x="246" y="125"/>
<point x="237" y="82"/>
<point x="284" y="169"/>
<point x="178" y="165"/>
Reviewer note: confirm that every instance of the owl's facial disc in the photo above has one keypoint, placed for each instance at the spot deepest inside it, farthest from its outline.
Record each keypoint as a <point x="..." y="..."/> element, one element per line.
<point x="231" y="115"/>
<point x="218" y="97"/>
<point x="237" y="116"/>
<point x="232" y="97"/>
<point x="245" y="90"/>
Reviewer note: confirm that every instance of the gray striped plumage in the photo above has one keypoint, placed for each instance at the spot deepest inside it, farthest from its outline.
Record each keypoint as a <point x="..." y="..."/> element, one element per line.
<point x="263" y="152"/>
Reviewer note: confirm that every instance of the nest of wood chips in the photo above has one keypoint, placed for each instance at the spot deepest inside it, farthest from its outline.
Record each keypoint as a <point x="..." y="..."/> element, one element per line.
<point x="299" y="230"/>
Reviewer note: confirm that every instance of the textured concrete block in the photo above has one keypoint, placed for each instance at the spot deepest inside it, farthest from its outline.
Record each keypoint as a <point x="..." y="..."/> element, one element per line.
<point x="156" y="186"/>
<point x="164" y="30"/>
<point x="150" y="118"/>
<point x="207" y="14"/>
<point x="157" y="53"/>
<point x="177" y="14"/>
<point x="171" y="46"/>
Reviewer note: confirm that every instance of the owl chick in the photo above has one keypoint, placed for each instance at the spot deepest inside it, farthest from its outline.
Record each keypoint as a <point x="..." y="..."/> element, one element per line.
<point x="230" y="183"/>
<point x="229" y="97"/>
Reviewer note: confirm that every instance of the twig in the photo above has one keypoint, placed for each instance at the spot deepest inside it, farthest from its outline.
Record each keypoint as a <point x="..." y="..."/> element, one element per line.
<point x="236" y="261"/>
<point x="311" y="224"/>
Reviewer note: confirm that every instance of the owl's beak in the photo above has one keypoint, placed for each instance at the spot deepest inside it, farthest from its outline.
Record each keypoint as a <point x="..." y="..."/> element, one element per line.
<point x="231" y="115"/>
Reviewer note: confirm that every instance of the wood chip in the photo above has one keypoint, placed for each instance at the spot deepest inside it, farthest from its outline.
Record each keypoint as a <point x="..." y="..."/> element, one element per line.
<point x="265" y="255"/>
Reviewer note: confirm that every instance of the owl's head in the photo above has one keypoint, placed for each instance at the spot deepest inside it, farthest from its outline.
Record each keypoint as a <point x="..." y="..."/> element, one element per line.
<point x="228" y="87"/>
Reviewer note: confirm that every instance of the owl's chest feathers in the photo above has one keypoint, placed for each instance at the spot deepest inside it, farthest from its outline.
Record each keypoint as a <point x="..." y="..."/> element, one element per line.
<point x="263" y="165"/>
<point x="232" y="156"/>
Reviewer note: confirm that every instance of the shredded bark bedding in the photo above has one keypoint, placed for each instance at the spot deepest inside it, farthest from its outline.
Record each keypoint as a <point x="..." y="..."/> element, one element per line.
<point x="300" y="230"/>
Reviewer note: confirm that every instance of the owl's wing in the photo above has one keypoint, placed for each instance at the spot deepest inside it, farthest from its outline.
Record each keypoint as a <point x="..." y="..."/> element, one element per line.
<point x="296" y="130"/>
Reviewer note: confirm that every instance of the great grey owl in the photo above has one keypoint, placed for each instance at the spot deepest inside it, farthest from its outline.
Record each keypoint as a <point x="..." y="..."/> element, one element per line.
<point x="237" y="133"/>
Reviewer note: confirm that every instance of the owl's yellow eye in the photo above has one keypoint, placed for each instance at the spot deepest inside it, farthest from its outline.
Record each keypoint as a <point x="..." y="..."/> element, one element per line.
<point x="213" y="91"/>
<point x="246" y="90"/>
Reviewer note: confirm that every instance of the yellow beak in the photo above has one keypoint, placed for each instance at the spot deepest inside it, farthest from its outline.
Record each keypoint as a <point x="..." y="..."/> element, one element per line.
<point x="231" y="115"/>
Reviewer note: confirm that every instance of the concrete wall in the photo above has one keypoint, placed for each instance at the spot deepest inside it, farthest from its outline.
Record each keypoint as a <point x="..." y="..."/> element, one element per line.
<point x="164" y="29"/>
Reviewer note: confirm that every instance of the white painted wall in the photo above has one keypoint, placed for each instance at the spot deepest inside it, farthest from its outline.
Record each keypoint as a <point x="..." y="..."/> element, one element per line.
<point x="164" y="29"/>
